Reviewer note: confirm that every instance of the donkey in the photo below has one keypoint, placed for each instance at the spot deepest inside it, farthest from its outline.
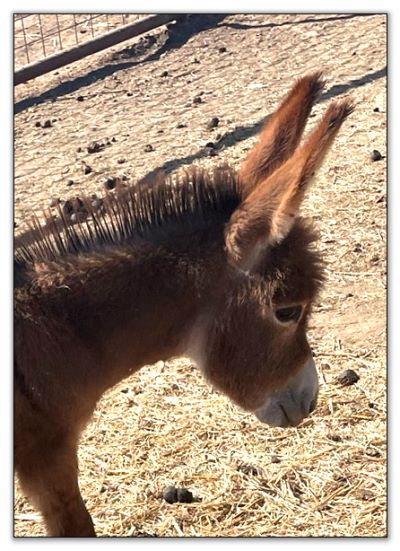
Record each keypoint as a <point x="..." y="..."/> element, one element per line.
<point x="216" y="265"/>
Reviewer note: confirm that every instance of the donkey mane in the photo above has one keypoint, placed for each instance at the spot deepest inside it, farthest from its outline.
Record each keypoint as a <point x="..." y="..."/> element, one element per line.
<point x="159" y="211"/>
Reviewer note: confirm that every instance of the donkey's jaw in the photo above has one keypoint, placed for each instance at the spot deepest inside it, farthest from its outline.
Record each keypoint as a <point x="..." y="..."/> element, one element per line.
<point x="289" y="406"/>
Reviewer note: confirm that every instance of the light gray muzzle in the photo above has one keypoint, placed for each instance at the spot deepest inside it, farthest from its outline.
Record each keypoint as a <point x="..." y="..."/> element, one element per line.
<point x="289" y="406"/>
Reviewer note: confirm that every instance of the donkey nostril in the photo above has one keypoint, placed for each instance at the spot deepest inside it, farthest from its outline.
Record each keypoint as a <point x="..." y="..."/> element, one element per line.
<point x="313" y="405"/>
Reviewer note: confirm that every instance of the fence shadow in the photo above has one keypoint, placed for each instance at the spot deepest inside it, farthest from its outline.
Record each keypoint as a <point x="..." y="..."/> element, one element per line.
<point x="336" y="17"/>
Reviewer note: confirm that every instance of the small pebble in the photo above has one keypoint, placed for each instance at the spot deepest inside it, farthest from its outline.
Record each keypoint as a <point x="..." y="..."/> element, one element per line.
<point x="51" y="220"/>
<point x="110" y="183"/>
<point x="54" y="202"/>
<point x="213" y="123"/>
<point x="210" y="151"/>
<point x="149" y="148"/>
<point x="87" y="169"/>
<point x="113" y="139"/>
<point x="78" y="217"/>
<point x="80" y="205"/>
<point x="47" y="124"/>
<point x="121" y="161"/>
<point x="94" y="147"/>
<point x="197" y="100"/>
<point x="210" y="144"/>
<point x="341" y="479"/>
<point x="38" y="124"/>
<point x="181" y="125"/>
<point x="164" y="74"/>
<point x="372" y="452"/>
<point x="375" y="258"/>
<point x="248" y="470"/>
<point x="375" y="155"/>
<point x="376" y="110"/>
<point x="357" y="248"/>
<point x="68" y="207"/>
<point x="70" y="183"/>
<point x="129" y="94"/>
<point x="97" y="203"/>
<point x="79" y="150"/>
<point x="222" y="49"/>
<point x="347" y="377"/>
<point x="367" y="495"/>
<point x="80" y="98"/>
<point x="275" y="459"/>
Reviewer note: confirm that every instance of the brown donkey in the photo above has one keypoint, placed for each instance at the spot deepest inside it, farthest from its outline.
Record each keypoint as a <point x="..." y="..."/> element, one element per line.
<point x="217" y="266"/>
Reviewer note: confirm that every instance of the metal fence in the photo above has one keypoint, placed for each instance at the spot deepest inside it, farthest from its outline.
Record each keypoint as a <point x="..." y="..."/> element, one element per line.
<point x="43" y="42"/>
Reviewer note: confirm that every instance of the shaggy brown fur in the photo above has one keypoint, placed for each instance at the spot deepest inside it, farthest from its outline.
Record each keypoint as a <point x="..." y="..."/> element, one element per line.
<point x="201" y="265"/>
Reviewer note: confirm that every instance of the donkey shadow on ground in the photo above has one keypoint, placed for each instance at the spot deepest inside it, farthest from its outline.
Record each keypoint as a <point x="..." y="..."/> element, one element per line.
<point x="242" y="133"/>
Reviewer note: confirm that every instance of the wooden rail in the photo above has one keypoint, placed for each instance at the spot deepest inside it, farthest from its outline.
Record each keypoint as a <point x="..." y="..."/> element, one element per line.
<point x="92" y="46"/>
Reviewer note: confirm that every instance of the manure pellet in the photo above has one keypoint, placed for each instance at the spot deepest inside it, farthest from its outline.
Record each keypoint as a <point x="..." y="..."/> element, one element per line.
<point x="348" y="377"/>
<point x="171" y="494"/>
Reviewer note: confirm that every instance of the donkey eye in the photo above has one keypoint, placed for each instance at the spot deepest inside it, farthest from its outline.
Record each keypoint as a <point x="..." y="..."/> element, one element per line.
<point x="291" y="313"/>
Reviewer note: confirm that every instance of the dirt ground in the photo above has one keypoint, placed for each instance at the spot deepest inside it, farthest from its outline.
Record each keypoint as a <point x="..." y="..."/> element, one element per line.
<point x="164" y="425"/>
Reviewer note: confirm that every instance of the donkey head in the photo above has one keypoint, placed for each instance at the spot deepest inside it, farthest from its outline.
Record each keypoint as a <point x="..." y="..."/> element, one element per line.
<point x="256" y="349"/>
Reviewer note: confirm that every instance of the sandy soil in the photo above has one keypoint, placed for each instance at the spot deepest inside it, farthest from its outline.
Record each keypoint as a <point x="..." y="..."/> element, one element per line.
<point x="165" y="425"/>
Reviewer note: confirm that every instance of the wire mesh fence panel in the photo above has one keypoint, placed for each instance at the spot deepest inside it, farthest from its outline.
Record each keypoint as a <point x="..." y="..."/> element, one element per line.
<point x="38" y="36"/>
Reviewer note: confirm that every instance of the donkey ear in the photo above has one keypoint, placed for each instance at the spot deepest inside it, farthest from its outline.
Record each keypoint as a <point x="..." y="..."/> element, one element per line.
<point x="281" y="133"/>
<point x="267" y="214"/>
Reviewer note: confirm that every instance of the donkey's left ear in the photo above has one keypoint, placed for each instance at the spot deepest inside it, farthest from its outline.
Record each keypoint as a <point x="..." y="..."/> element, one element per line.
<point x="266" y="216"/>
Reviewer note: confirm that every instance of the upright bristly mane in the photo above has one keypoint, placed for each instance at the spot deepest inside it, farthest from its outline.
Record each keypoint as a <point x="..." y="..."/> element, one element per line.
<point x="159" y="212"/>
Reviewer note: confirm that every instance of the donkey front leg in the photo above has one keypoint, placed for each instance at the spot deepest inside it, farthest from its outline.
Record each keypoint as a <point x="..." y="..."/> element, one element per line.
<point x="49" y="477"/>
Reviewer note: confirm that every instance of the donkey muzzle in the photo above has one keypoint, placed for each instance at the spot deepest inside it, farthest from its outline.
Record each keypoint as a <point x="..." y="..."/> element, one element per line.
<point x="289" y="406"/>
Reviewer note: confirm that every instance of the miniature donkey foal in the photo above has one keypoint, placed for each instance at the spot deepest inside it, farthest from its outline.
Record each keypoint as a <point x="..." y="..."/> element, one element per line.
<point x="216" y="265"/>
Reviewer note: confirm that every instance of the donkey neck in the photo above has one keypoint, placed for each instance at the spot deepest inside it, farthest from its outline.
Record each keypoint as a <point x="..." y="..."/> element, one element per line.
<point x="135" y="305"/>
